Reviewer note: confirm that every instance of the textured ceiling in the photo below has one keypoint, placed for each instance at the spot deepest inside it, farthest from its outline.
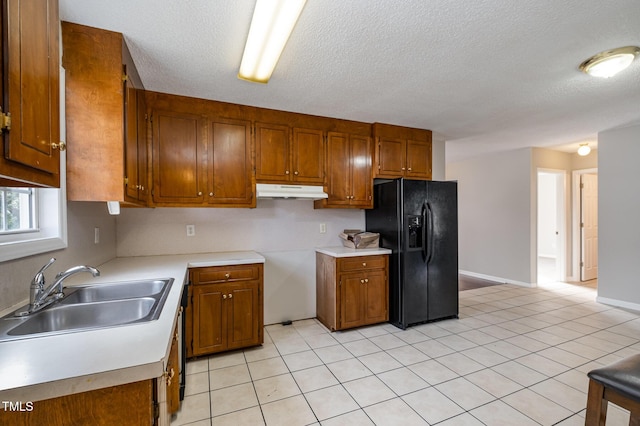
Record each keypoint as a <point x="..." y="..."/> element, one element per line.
<point x="488" y="75"/>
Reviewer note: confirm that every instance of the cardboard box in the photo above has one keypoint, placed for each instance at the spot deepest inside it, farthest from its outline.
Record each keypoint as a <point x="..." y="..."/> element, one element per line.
<point x="358" y="239"/>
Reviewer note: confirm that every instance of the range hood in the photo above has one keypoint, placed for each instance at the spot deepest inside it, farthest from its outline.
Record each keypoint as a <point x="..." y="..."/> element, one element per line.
<point x="300" y="192"/>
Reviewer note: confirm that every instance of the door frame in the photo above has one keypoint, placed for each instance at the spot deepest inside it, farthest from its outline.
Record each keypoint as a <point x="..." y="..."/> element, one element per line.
<point x="562" y="222"/>
<point x="575" y="221"/>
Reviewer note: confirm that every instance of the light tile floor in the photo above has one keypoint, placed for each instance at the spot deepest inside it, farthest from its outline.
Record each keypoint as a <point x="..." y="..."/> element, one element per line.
<point x="516" y="356"/>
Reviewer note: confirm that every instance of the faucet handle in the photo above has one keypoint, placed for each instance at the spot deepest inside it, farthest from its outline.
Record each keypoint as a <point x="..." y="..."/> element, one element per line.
<point x="53" y="259"/>
<point x="38" y="278"/>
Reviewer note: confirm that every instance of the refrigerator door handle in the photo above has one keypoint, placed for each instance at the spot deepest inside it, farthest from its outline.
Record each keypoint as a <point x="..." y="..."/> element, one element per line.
<point x="425" y="254"/>
<point x="429" y="231"/>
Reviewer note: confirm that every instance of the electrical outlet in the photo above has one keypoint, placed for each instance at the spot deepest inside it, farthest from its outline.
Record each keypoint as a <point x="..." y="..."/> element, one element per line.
<point x="96" y="235"/>
<point x="191" y="230"/>
<point x="323" y="228"/>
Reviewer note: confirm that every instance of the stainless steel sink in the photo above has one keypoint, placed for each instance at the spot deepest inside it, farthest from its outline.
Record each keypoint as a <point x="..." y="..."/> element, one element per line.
<point x="115" y="291"/>
<point x="92" y="306"/>
<point x="89" y="315"/>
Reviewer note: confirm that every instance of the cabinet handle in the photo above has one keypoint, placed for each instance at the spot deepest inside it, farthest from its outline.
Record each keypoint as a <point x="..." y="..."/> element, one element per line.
<point x="141" y="188"/>
<point x="170" y="375"/>
<point x="227" y="276"/>
<point x="61" y="146"/>
<point x="286" y="172"/>
<point x="230" y="296"/>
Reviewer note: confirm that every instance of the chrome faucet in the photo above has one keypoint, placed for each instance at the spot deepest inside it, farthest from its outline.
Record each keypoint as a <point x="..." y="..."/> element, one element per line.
<point x="40" y="297"/>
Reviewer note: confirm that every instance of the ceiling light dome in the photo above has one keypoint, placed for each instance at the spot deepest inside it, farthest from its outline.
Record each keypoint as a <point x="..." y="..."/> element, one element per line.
<point x="610" y="62"/>
<point x="584" y="149"/>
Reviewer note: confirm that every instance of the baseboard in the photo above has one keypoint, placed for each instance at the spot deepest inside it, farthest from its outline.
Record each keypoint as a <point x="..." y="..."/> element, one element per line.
<point x="618" y="303"/>
<point x="496" y="279"/>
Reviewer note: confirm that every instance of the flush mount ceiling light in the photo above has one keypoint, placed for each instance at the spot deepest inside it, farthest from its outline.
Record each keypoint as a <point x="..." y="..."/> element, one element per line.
<point x="610" y="62"/>
<point x="584" y="149"/>
<point x="271" y="26"/>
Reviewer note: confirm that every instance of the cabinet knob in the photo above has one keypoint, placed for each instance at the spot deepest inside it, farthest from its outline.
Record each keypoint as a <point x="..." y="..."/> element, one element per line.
<point x="227" y="275"/>
<point x="403" y="168"/>
<point x="295" y="173"/>
<point x="230" y="296"/>
<point x="409" y="169"/>
<point x="364" y="263"/>
<point x="141" y="188"/>
<point x="366" y="280"/>
<point x="61" y="146"/>
<point x="286" y="172"/>
<point x="199" y="193"/>
<point x="224" y="296"/>
<point x="211" y="194"/>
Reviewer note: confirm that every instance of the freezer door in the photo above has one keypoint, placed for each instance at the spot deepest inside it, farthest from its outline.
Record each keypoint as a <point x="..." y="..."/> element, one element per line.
<point x="442" y="241"/>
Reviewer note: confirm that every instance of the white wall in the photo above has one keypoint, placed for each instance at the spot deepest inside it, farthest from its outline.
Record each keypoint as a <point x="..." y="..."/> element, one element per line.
<point x="82" y="219"/>
<point x="494" y="215"/>
<point x="618" y="211"/>
<point x="285" y="232"/>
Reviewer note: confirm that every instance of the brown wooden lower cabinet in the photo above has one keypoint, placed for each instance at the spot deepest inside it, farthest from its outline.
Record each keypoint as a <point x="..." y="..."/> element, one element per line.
<point x="225" y="309"/>
<point x="352" y="291"/>
<point x="130" y="404"/>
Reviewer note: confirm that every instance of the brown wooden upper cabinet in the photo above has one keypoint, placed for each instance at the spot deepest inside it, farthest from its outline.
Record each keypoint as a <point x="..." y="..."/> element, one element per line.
<point x="402" y="152"/>
<point x="106" y="129"/>
<point x="30" y="98"/>
<point x="349" y="179"/>
<point x="231" y="175"/>
<point x="179" y="158"/>
<point x="288" y="155"/>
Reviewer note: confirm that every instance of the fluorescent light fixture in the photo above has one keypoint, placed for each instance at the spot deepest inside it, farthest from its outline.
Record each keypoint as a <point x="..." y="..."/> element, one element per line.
<point x="584" y="149"/>
<point x="610" y="62"/>
<point x="271" y="26"/>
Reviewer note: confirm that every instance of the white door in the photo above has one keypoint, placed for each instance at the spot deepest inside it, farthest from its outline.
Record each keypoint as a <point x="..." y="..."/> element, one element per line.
<point x="589" y="226"/>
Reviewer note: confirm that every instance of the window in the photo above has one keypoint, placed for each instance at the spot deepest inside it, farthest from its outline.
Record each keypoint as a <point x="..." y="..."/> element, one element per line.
<point x="18" y="210"/>
<point x="32" y="221"/>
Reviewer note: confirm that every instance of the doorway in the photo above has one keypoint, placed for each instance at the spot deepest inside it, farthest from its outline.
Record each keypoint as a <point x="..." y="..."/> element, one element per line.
<point x="588" y="226"/>
<point x="551" y="250"/>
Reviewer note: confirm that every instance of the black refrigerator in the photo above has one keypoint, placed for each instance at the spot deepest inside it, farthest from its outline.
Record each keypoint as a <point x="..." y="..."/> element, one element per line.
<point x="418" y="221"/>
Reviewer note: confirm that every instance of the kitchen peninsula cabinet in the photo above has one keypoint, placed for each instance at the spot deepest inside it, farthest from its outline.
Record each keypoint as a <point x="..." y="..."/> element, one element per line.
<point x="106" y="130"/>
<point x="352" y="291"/>
<point x="349" y="175"/>
<point x="30" y="93"/>
<point x="285" y="155"/>
<point x="402" y="152"/>
<point x="225" y="308"/>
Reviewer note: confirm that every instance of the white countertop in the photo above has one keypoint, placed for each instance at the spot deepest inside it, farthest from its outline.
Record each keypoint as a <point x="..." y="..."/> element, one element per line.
<point x="341" y="251"/>
<point x="45" y="367"/>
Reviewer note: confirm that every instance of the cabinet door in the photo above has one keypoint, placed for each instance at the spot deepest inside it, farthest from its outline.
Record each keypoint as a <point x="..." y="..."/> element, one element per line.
<point x="32" y="94"/>
<point x="173" y="371"/>
<point x="361" y="178"/>
<point x="351" y="300"/>
<point x="243" y="313"/>
<point x="179" y="158"/>
<point x="131" y="160"/>
<point x="308" y="156"/>
<point x="375" y="297"/>
<point x="390" y="158"/>
<point x="231" y="169"/>
<point x="338" y="169"/>
<point x="209" y="320"/>
<point x="418" y="159"/>
<point x="272" y="153"/>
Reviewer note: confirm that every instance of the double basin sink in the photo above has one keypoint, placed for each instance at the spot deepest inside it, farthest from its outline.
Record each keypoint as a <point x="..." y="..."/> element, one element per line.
<point x="88" y="307"/>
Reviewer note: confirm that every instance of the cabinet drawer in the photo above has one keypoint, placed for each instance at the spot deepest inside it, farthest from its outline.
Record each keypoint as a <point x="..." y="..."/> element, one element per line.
<point x="361" y="262"/>
<point x="225" y="274"/>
